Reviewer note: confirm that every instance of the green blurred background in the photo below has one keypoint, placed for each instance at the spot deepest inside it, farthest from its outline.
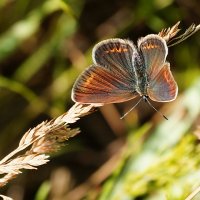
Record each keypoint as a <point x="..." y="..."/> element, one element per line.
<point x="44" y="46"/>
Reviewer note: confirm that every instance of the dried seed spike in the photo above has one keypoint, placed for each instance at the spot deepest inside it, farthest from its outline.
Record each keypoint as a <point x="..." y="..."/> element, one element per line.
<point x="5" y="197"/>
<point x="189" y="32"/>
<point x="169" y="33"/>
<point x="45" y="138"/>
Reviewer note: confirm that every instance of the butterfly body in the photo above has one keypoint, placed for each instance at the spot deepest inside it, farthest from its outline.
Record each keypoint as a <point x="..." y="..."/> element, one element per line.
<point x="123" y="71"/>
<point x="141" y="76"/>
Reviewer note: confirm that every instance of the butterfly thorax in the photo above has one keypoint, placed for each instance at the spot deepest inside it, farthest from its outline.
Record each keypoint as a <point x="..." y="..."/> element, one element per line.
<point x="142" y="78"/>
<point x="142" y="87"/>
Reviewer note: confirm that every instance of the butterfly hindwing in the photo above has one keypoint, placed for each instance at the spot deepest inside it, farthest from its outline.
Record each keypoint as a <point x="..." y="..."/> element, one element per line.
<point x="163" y="87"/>
<point x="101" y="85"/>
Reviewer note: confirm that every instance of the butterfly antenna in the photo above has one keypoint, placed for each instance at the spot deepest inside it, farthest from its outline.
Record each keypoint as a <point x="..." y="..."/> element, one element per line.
<point x="160" y="113"/>
<point x="131" y="109"/>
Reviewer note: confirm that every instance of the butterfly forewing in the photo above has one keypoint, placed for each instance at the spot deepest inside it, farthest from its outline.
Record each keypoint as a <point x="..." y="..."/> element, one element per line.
<point x="154" y="51"/>
<point x="163" y="87"/>
<point x="101" y="85"/>
<point x="116" y="53"/>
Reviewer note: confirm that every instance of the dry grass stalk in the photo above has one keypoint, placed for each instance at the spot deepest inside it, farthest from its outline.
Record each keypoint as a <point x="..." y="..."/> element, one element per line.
<point x="197" y="132"/>
<point x="5" y="197"/>
<point x="43" y="139"/>
<point x="193" y="194"/>
<point x="168" y="34"/>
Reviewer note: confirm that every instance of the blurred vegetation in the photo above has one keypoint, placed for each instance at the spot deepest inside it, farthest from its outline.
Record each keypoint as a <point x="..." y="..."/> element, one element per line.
<point x="44" y="46"/>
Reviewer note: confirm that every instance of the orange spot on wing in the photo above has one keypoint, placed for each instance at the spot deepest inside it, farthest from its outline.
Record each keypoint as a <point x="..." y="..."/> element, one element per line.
<point x="117" y="50"/>
<point x="150" y="46"/>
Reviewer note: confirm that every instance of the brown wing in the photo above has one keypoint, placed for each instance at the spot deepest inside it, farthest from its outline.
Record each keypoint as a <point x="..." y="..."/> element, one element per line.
<point x="101" y="85"/>
<point x="116" y="53"/>
<point x="163" y="87"/>
<point x="154" y="50"/>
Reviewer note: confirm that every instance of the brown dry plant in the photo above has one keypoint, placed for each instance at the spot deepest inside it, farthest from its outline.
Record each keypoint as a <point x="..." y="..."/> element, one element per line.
<point x="38" y="142"/>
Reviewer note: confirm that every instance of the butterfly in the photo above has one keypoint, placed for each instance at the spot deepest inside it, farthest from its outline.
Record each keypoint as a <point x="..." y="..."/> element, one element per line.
<point x="122" y="71"/>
